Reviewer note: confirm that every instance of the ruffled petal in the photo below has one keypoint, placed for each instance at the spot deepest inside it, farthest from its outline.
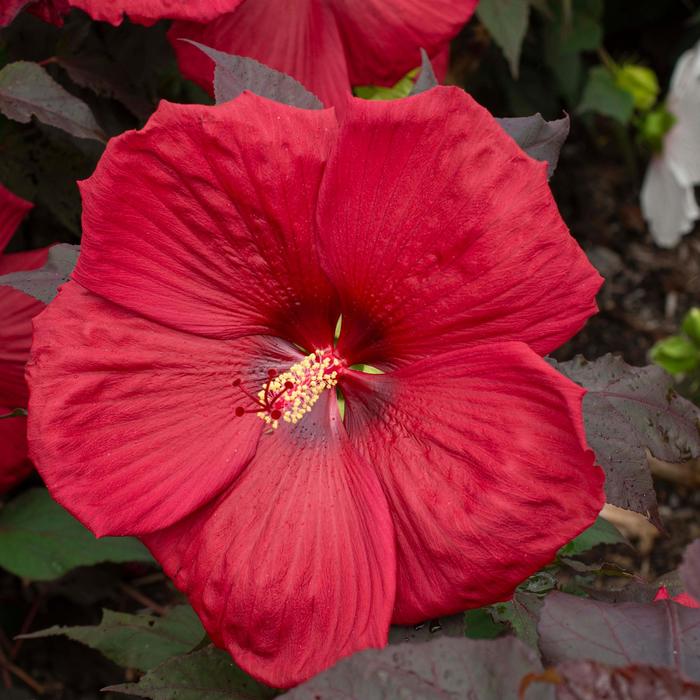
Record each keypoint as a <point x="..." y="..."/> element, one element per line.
<point x="132" y="425"/>
<point x="485" y="466"/>
<point x="306" y="45"/>
<point x="383" y="38"/>
<point x="438" y="230"/>
<point x="12" y="210"/>
<point x="150" y="11"/>
<point x="14" y="465"/>
<point x="203" y="221"/>
<point x="16" y="313"/>
<point x="294" y="567"/>
<point x="669" y="207"/>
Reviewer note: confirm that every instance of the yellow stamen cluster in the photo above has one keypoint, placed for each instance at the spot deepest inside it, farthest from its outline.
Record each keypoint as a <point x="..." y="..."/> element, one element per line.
<point x="298" y="389"/>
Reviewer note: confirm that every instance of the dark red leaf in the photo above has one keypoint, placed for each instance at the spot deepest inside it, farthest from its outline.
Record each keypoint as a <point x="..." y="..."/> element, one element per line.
<point x="629" y="410"/>
<point x="589" y="680"/>
<point x="661" y="634"/>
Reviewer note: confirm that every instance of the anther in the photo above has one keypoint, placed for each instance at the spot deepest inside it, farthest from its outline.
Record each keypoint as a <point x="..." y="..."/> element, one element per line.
<point x="293" y="393"/>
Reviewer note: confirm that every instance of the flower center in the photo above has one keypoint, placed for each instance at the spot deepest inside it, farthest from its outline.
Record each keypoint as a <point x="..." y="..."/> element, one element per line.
<point x="292" y="394"/>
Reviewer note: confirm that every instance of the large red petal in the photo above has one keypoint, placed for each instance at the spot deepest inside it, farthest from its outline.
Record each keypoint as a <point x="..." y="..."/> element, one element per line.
<point x="16" y="313"/>
<point x="150" y="11"/>
<point x="12" y="210"/>
<point x="383" y="38"/>
<point x="439" y="230"/>
<point x="485" y="466"/>
<point x="294" y="568"/>
<point x="203" y="221"/>
<point x="131" y="424"/>
<point x="14" y="465"/>
<point x="305" y="44"/>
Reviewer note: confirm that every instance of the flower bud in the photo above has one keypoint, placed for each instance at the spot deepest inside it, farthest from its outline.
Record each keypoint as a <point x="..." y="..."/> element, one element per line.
<point x="654" y="126"/>
<point x="691" y="325"/>
<point x="640" y="82"/>
<point x="677" y="354"/>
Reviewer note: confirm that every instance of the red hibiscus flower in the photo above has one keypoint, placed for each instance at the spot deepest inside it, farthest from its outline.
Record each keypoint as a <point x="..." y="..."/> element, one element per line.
<point x="183" y="387"/>
<point x="150" y="11"/>
<point x="114" y="11"/>
<point x="16" y="312"/>
<point x="327" y="45"/>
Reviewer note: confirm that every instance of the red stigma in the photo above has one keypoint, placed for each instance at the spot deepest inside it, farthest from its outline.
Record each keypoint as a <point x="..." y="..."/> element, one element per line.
<point x="239" y="411"/>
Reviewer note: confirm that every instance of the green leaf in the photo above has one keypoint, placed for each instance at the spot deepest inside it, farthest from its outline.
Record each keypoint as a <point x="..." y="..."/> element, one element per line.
<point x="604" y="96"/>
<point x="377" y="92"/>
<point x="506" y="21"/>
<point x="208" y="674"/>
<point x="677" y="354"/>
<point x="522" y="613"/>
<point x="136" y="641"/>
<point x="481" y="625"/>
<point x="691" y="325"/>
<point x="566" y="37"/>
<point x="41" y="541"/>
<point x="601" y="532"/>
<point x="27" y="90"/>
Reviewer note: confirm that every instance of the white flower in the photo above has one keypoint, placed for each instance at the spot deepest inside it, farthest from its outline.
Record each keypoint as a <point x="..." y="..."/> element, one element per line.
<point x="668" y="197"/>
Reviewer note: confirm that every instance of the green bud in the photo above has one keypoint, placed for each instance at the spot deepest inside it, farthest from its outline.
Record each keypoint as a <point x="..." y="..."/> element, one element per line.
<point x="654" y="126"/>
<point x="640" y="82"/>
<point x="691" y="325"/>
<point x="676" y="354"/>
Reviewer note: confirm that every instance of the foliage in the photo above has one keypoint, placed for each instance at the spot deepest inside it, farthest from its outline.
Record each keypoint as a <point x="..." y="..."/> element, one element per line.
<point x="43" y="283"/>
<point x="629" y="410"/>
<point x="40" y="541"/>
<point x="136" y="641"/>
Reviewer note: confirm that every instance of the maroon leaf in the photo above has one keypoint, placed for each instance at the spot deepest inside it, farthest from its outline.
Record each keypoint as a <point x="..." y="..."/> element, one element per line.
<point x="43" y="284"/>
<point x="105" y="77"/>
<point x="426" y="78"/>
<point x="234" y="74"/>
<point x="690" y="570"/>
<point x="444" y="668"/>
<point x="540" y="139"/>
<point x="661" y="634"/>
<point x="629" y="410"/>
<point x="27" y="90"/>
<point x="588" y="680"/>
